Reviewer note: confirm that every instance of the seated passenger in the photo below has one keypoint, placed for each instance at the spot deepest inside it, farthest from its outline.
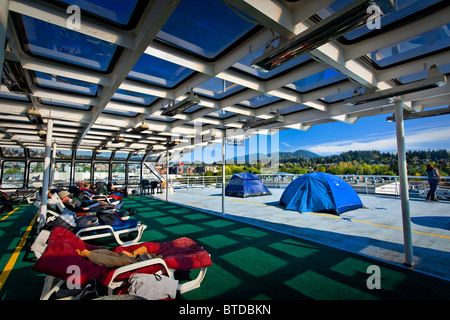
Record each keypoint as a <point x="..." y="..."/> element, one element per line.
<point x="100" y="188"/>
<point x="87" y="187"/>
<point x="79" y="206"/>
<point x="112" y="190"/>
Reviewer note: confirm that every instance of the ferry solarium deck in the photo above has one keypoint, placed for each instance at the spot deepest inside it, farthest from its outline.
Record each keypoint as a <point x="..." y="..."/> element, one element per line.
<point x="117" y="91"/>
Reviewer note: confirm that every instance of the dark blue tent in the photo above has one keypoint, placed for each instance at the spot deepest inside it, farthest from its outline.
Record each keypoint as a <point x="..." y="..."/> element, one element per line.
<point x="320" y="192"/>
<point x="246" y="184"/>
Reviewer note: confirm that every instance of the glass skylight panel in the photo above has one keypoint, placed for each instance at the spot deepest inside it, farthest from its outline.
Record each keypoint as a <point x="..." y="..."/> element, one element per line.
<point x="217" y="88"/>
<point x="220" y="114"/>
<point x="121" y="155"/>
<point x="66" y="84"/>
<point x="317" y="80"/>
<point x="333" y="8"/>
<point x="59" y="103"/>
<point x="121" y="113"/>
<point x="338" y="96"/>
<point x="13" y="96"/>
<point x="161" y="118"/>
<point x="417" y="76"/>
<point x="50" y="41"/>
<point x="157" y="71"/>
<point x="293" y="109"/>
<point x="104" y="155"/>
<point x="205" y="27"/>
<point x="402" y="9"/>
<point x="428" y="42"/>
<point x="260" y="101"/>
<point x="118" y="11"/>
<point x="134" y="97"/>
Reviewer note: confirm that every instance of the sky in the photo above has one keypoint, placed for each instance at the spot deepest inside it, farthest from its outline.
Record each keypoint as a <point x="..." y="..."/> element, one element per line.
<point x="369" y="133"/>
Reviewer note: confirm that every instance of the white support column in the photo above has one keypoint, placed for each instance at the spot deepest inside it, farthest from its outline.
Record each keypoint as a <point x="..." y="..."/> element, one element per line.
<point x="167" y="174"/>
<point x="46" y="178"/>
<point x="53" y="165"/>
<point x="223" y="173"/>
<point x="4" y="9"/>
<point x="404" y="193"/>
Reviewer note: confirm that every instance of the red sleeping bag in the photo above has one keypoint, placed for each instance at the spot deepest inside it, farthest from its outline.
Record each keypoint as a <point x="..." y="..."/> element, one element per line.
<point x="60" y="254"/>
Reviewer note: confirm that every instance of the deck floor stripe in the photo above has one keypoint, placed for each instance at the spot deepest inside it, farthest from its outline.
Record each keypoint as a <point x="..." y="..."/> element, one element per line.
<point x="12" y="261"/>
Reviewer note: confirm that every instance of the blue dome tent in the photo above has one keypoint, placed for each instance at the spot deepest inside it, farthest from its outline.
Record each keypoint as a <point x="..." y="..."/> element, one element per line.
<point x="246" y="184"/>
<point x="320" y="192"/>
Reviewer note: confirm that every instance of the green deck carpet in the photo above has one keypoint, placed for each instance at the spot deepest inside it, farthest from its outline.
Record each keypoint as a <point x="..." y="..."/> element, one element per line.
<point x="248" y="262"/>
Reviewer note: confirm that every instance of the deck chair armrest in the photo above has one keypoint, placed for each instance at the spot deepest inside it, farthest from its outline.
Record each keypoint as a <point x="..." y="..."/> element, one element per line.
<point x="53" y="213"/>
<point x="135" y="266"/>
<point x="94" y="228"/>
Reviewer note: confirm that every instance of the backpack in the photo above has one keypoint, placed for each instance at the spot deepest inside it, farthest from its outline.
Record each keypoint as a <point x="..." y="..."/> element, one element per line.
<point x="87" y="221"/>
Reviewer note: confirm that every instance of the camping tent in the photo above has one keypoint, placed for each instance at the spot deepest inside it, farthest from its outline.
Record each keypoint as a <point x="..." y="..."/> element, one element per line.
<point x="246" y="184"/>
<point x="320" y="192"/>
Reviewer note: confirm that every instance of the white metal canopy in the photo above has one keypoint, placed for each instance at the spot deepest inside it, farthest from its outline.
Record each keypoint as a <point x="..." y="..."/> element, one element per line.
<point x="91" y="121"/>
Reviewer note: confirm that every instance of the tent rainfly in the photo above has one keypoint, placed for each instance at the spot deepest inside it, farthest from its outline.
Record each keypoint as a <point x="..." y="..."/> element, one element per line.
<point x="320" y="192"/>
<point x="246" y="184"/>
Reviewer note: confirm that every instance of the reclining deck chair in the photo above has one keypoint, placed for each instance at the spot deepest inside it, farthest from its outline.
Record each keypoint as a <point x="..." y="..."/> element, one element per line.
<point x="116" y="228"/>
<point x="56" y="252"/>
<point x="28" y="195"/>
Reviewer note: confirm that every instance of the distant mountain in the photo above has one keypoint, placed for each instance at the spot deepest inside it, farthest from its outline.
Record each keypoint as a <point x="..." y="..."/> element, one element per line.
<point x="299" y="154"/>
<point x="282" y="156"/>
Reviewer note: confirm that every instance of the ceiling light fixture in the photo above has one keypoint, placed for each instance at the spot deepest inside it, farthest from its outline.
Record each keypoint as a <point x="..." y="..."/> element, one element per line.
<point x="260" y="123"/>
<point x="190" y="101"/>
<point x="434" y="79"/>
<point x="14" y="77"/>
<point x="350" y="18"/>
<point x="143" y="127"/>
<point x="34" y="116"/>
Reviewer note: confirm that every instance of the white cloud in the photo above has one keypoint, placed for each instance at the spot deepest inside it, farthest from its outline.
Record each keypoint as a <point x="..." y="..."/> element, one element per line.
<point x="432" y="138"/>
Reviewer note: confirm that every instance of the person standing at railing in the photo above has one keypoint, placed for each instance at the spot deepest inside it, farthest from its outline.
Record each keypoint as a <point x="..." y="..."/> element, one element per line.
<point x="433" y="180"/>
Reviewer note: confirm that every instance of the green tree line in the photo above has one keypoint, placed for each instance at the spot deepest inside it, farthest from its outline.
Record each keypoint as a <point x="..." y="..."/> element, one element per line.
<point x="355" y="162"/>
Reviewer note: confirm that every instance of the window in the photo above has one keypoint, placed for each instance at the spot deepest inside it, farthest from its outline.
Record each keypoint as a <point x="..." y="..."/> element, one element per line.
<point x="136" y="157"/>
<point x="82" y="171"/>
<point x="13" y="96"/>
<point x="415" y="47"/>
<point x="101" y="171"/>
<point x="13" y="174"/>
<point x="63" y="154"/>
<point x="118" y="173"/>
<point x="36" y="174"/>
<point x="403" y="10"/>
<point x="121" y="156"/>
<point x="317" y="80"/>
<point x="53" y="42"/>
<point x="260" y="101"/>
<point x="104" y="155"/>
<point x="37" y="153"/>
<point x="445" y="69"/>
<point x="66" y="84"/>
<point x="84" y="154"/>
<point x="217" y="88"/>
<point x="62" y="173"/>
<point x="134" y="173"/>
<point x="157" y="71"/>
<point x="11" y="152"/>
<point x="210" y="26"/>
<point x="117" y="11"/>
<point x="134" y="97"/>
<point x="59" y="103"/>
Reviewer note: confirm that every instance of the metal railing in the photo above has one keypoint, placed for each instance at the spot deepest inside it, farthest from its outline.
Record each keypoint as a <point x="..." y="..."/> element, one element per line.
<point x="369" y="184"/>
